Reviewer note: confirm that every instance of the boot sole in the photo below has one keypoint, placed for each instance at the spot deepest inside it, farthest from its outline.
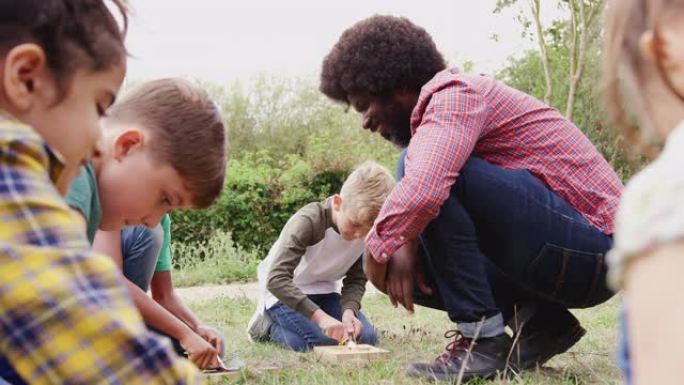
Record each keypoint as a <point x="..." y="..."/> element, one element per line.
<point x="563" y="347"/>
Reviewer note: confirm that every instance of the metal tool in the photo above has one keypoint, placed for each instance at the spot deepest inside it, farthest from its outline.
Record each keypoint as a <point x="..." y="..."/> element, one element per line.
<point x="351" y="341"/>
<point x="222" y="366"/>
<point x="234" y="364"/>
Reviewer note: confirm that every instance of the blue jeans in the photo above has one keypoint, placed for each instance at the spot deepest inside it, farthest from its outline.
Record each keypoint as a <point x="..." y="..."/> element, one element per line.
<point x="624" y="361"/>
<point x="8" y="375"/>
<point x="503" y="241"/>
<point x="292" y="330"/>
<point x="140" y="247"/>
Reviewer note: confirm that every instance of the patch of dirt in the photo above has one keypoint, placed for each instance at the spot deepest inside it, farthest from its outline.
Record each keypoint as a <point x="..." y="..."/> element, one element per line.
<point x="233" y="290"/>
<point x="207" y="292"/>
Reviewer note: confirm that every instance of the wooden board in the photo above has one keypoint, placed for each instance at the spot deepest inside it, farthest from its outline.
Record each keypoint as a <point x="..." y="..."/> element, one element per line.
<point x="215" y="376"/>
<point x="342" y="354"/>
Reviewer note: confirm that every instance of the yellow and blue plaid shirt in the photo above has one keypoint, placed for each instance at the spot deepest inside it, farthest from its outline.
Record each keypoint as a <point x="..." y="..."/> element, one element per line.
<point x="65" y="315"/>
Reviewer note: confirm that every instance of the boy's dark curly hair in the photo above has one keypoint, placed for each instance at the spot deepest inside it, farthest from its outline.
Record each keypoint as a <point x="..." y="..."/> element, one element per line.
<point x="378" y="56"/>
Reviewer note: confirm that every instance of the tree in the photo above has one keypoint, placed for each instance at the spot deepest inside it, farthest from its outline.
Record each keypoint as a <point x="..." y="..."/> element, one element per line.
<point x="576" y="32"/>
<point x="573" y="81"/>
<point x="582" y="15"/>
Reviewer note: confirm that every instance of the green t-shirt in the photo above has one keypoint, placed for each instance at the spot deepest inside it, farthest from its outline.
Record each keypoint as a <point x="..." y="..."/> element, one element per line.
<point x="83" y="196"/>
<point x="164" y="261"/>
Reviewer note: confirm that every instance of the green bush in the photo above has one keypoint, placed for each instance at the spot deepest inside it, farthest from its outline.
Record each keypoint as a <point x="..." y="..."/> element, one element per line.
<point x="260" y="195"/>
<point x="289" y="146"/>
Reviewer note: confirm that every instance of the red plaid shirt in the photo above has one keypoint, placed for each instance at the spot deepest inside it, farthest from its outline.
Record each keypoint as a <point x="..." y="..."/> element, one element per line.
<point x="458" y="115"/>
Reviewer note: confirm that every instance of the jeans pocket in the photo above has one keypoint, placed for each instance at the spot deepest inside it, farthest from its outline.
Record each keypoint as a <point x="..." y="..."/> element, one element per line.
<point x="573" y="278"/>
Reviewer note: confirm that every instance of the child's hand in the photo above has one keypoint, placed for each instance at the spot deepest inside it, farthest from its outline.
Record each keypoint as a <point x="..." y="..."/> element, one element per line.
<point x="330" y="326"/>
<point x="352" y="325"/>
<point x="200" y="352"/>
<point x="211" y="336"/>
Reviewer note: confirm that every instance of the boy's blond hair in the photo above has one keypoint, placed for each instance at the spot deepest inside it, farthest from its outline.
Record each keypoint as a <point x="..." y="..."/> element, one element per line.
<point x="186" y="132"/>
<point x="365" y="191"/>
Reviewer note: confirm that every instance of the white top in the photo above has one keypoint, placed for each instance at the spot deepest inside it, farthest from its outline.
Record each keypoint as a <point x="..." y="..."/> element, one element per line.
<point x="651" y="211"/>
<point x="321" y="269"/>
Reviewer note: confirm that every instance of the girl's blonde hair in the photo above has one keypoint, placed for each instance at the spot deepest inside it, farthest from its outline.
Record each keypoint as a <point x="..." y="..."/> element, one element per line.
<point x="624" y="67"/>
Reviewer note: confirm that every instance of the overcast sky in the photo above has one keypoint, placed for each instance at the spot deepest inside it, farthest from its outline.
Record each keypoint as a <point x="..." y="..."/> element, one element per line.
<point x="225" y="40"/>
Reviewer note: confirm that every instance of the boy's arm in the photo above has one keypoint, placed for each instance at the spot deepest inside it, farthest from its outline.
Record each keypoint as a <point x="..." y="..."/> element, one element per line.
<point x="354" y="287"/>
<point x="164" y="294"/>
<point x="109" y="243"/>
<point x="154" y="315"/>
<point x="304" y="229"/>
<point x="64" y="312"/>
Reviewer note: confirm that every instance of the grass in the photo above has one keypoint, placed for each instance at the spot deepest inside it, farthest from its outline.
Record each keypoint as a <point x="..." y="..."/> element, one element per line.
<point x="409" y="338"/>
<point x="217" y="261"/>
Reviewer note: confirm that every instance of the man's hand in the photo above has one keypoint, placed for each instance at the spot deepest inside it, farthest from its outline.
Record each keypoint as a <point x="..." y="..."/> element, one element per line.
<point x="403" y="271"/>
<point x="352" y="325"/>
<point x="375" y="272"/>
<point x="200" y="352"/>
<point x="212" y="336"/>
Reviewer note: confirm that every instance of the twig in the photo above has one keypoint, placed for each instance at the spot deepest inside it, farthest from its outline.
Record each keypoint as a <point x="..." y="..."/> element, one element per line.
<point x="469" y="352"/>
<point x="589" y="354"/>
<point x="517" y="332"/>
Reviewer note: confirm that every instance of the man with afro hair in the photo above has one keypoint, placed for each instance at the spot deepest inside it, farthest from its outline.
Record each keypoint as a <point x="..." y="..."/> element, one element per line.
<point x="504" y="209"/>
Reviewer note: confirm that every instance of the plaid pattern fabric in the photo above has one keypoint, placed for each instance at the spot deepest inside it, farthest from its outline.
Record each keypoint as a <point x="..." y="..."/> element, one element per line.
<point x="65" y="315"/>
<point x="461" y="115"/>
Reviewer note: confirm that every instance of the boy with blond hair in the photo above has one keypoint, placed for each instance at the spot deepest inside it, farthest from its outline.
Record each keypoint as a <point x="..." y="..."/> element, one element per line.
<point x="163" y="148"/>
<point x="312" y="280"/>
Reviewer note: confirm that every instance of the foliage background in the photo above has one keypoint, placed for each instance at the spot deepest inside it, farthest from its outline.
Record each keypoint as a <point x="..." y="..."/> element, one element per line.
<point x="290" y="145"/>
